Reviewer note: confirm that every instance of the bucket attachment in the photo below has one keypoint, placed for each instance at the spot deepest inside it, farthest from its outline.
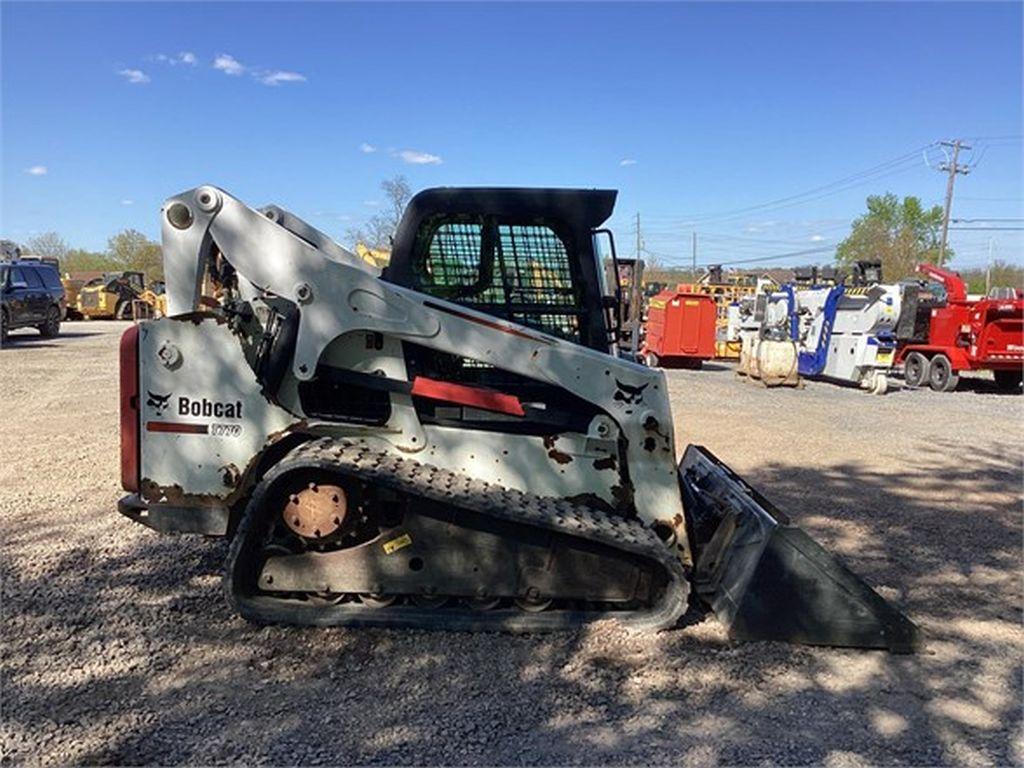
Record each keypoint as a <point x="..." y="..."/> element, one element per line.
<point x="765" y="579"/>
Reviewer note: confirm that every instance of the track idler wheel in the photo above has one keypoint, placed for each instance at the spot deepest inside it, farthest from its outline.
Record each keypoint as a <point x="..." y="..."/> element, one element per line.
<point x="532" y="604"/>
<point x="378" y="601"/>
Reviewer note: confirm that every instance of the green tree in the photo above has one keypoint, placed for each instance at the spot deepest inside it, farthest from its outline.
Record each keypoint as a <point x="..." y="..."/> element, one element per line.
<point x="899" y="234"/>
<point x="132" y="250"/>
<point x="1001" y="274"/>
<point x="79" y="260"/>
<point x="48" y="244"/>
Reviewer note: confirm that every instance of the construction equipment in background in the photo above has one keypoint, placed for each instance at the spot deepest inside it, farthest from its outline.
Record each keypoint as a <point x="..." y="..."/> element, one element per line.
<point x="680" y="328"/>
<point x="375" y="257"/>
<point x="767" y="354"/>
<point x="72" y="285"/>
<point x="110" y="296"/>
<point x="728" y="293"/>
<point x="450" y="444"/>
<point x="840" y="332"/>
<point x="955" y="333"/>
<point x="626" y="277"/>
<point x="151" y="303"/>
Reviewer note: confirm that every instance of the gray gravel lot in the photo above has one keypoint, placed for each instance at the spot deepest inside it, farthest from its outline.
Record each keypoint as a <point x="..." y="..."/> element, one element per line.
<point x="118" y="648"/>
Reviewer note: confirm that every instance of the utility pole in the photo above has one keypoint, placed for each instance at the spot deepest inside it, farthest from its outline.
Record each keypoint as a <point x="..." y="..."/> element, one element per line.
<point x="638" y="235"/>
<point x="695" y="258"/>
<point x="953" y="169"/>
<point x="988" y="269"/>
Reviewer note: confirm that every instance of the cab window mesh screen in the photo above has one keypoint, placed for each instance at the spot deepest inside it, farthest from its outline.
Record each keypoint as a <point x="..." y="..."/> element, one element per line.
<point x="521" y="272"/>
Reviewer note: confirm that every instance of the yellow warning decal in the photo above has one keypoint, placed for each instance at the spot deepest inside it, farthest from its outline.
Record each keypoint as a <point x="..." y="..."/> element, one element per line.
<point x="692" y="303"/>
<point x="390" y="547"/>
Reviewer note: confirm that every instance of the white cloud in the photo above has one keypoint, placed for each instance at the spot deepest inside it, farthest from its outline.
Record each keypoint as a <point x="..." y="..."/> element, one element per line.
<point x="367" y="149"/>
<point x="184" y="57"/>
<point x="134" y="76"/>
<point x="228" y="64"/>
<point x="371" y="203"/>
<point x="37" y="170"/>
<point x="277" y="76"/>
<point x="127" y="202"/>
<point x="627" y="161"/>
<point x="759" y="226"/>
<point x="413" y="157"/>
<point x="816" y="238"/>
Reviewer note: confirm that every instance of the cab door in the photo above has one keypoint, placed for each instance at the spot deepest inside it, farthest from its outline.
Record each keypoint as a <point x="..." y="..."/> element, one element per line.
<point x="38" y="297"/>
<point x="18" y="297"/>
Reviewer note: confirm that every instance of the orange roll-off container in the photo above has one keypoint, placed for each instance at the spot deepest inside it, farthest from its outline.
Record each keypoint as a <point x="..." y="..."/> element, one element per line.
<point x="680" y="328"/>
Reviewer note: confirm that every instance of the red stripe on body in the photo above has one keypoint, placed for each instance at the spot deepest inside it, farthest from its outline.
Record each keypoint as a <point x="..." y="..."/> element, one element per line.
<point x="484" y="399"/>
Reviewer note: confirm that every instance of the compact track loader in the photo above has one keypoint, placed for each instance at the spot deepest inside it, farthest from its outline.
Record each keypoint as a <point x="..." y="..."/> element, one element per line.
<point x="451" y="443"/>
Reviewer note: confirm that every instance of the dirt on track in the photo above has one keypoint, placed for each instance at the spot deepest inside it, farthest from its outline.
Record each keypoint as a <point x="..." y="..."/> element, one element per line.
<point x="117" y="646"/>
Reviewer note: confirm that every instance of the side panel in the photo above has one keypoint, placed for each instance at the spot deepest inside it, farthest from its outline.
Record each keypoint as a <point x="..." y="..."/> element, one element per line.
<point x="202" y="416"/>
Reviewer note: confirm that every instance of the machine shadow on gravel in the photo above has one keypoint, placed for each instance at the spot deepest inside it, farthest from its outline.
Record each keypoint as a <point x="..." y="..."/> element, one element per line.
<point x="184" y="681"/>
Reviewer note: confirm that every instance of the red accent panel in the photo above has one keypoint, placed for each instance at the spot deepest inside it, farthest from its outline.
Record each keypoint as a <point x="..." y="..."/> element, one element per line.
<point x="485" y="399"/>
<point x="129" y="374"/>
<point x="170" y="426"/>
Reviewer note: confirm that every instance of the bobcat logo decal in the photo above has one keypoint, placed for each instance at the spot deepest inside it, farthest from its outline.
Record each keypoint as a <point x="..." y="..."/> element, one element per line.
<point x="158" y="403"/>
<point x="629" y="395"/>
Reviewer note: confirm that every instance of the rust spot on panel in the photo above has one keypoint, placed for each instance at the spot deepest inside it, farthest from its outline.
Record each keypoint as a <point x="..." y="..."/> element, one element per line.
<point x="608" y="462"/>
<point x="230" y="475"/>
<point x="561" y="457"/>
<point x="174" y="495"/>
<point x="623" y="495"/>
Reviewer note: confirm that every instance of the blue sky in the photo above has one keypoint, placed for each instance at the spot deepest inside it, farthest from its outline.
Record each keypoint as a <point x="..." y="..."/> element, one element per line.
<point x="698" y="113"/>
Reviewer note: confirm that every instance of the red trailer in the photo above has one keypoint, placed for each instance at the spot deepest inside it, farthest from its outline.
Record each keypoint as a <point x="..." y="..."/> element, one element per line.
<point x="680" y="328"/>
<point x="965" y="335"/>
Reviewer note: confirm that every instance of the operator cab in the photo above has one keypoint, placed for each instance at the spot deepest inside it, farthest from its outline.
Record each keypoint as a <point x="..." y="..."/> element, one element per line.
<point x="524" y="255"/>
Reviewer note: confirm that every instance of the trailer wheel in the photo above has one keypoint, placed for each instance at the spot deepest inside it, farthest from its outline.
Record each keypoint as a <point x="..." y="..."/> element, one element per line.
<point x="1008" y="380"/>
<point x="940" y="375"/>
<point x="915" y="370"/>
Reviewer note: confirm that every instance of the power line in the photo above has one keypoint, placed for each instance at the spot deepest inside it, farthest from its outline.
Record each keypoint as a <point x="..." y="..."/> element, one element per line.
<point x="882" y="170"/>
<point x="972" y="221"/>
<point x="986" y="229"/>
<point x="773" y="257"/>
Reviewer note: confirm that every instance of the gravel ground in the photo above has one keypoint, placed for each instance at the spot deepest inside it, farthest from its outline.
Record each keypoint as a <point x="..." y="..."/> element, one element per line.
<point x="118" y="648"/>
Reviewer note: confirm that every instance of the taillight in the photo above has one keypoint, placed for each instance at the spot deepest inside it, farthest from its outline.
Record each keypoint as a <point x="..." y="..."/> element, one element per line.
<point x="130" y="409"/>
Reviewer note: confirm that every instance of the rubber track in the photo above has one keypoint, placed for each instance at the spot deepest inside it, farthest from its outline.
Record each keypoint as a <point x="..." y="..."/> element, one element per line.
<point x="427" y="481"/>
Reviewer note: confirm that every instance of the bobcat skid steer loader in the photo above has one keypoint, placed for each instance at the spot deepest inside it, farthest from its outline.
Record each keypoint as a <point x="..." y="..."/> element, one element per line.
<point x="451" y="443"/>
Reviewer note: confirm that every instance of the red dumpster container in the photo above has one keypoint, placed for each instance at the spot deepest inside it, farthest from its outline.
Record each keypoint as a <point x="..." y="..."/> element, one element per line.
<point x="680" y="329"/>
